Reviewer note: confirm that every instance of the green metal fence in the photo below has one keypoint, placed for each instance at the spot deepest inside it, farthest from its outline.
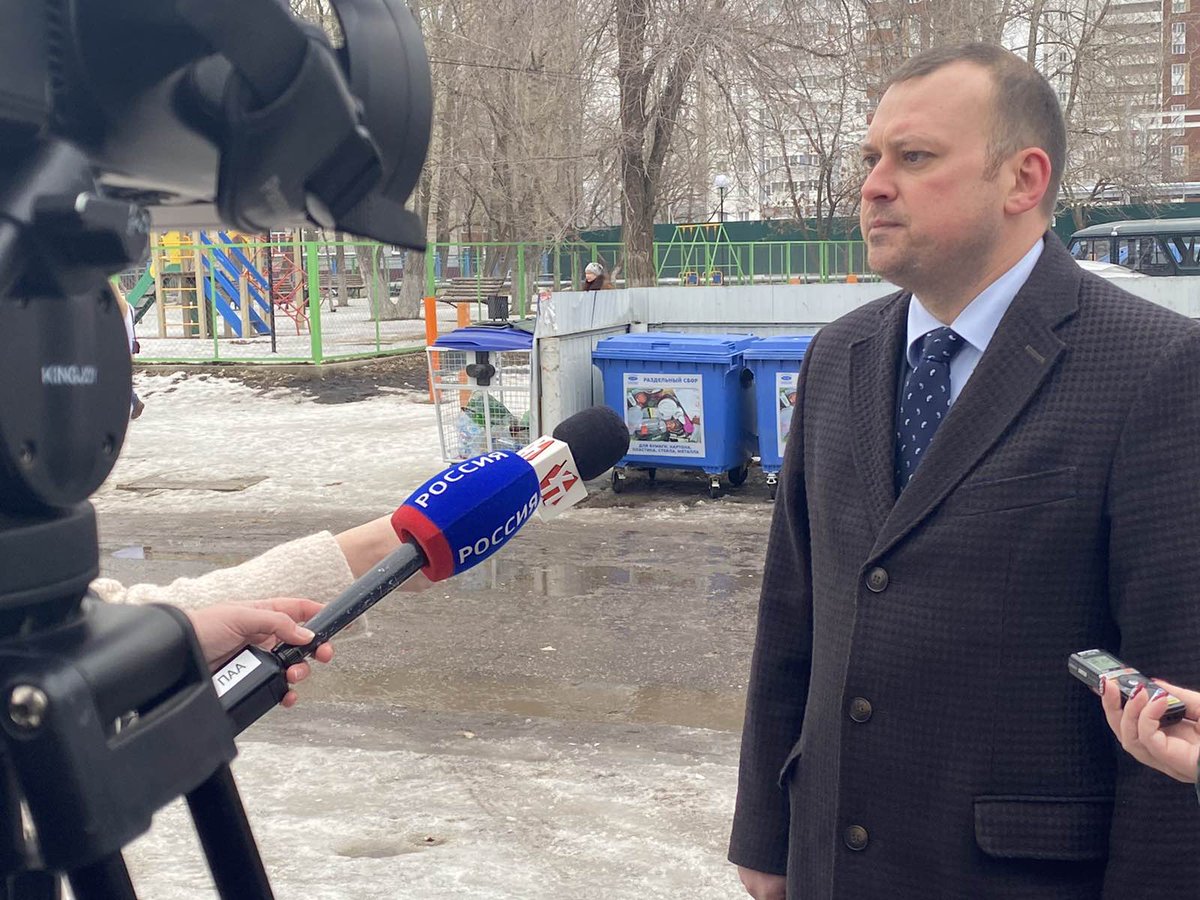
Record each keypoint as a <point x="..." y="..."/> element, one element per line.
<point x="222" y="297"/>
<point x="216" y="297"/>
<point x="470" y="271"/>
<point x="706" y="262"/>
<point x="460" y="272"/>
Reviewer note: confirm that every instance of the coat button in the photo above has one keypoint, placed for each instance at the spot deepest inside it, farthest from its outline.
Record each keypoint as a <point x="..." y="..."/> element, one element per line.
<point x="855" y="837"/>
<point x="877" y="579"/>
<point x="860" y="709"/>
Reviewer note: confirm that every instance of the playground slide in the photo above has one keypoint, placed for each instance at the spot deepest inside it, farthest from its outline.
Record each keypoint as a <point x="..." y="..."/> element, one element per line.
<point x="226" y="299"/>
<point x="140" y="298"/>
<point x="225" y="275"/>
<point x="229" y="251"/>
<point x="240" y="255"/>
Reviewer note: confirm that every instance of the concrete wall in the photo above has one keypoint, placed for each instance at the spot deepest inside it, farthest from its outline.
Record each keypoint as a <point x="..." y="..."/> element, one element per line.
<point x="570" y="324"/>
<point x="1179" y="294"/>
<point x="758" y="309"/>
<point x="568" y="327"/>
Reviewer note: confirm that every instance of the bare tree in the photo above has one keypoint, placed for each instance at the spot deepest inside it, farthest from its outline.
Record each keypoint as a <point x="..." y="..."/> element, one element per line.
<point x="657" y="54"/>
<point x="1105" y="64"/>
<point x="552" y="117"/>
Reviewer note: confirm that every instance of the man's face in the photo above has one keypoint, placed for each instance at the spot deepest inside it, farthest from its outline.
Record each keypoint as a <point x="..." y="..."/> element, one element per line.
<point x="929" y="216"/>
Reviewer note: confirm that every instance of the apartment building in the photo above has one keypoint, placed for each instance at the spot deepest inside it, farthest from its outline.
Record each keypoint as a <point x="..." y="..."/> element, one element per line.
<point x="1180" y="121"/>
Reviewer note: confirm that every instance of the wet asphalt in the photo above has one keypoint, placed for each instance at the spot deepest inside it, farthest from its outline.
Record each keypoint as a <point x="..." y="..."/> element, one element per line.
<point x="559" y="722"/>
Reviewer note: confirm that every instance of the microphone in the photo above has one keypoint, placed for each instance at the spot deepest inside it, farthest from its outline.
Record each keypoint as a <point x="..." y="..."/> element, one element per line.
<point x="452" y="522"/>
<point x="460" y="517"/>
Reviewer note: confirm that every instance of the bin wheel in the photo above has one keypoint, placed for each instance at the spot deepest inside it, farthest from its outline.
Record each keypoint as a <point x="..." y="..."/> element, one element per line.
<point x="714" y="487"/>
<point x="772" y="487"/>
<point x="652" y="474"/>
<point x="618" y="481"/>
<point x="738" y="475"/>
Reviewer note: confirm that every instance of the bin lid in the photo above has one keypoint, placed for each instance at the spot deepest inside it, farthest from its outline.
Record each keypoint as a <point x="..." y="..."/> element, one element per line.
<point x="780" y="346"/>
<point x="673" y="346"/>
<point x="482" y="337"/>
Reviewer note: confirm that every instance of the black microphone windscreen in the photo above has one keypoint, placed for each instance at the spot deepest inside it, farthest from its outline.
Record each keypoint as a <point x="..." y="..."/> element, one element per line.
<point x="598" y="438"/>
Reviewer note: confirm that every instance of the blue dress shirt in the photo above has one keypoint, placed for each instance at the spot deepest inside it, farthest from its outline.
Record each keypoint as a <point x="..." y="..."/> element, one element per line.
<point x="976" y="324"/>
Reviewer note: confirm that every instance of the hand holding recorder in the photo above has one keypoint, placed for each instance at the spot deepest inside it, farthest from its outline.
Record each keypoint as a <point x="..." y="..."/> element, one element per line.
<point x="1156" y="722"/>
<point x="1141" y="727"/>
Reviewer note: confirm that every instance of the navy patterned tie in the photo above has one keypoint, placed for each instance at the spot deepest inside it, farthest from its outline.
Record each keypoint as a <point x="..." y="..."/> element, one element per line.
<point x="924" y="401"/>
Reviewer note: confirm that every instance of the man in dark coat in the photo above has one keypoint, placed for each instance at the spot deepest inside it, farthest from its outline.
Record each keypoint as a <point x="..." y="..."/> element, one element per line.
<point x="989" y="470"/>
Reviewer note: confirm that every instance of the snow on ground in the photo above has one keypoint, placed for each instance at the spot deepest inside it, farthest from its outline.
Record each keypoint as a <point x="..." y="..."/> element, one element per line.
<point x="525" y="820"/>
<point x="369" y="453"/>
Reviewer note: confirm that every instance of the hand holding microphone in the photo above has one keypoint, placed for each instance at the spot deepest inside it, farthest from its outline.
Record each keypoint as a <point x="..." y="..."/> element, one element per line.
<point x="226" y="627"/>
<point x="454" y="521"/>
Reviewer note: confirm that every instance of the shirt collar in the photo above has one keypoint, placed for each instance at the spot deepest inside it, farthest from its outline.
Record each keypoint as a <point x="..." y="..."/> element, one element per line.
<point x="978" y="322"/>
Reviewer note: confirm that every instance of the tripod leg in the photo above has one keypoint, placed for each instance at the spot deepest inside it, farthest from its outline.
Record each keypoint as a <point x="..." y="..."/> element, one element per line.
<point x="29" y="885"/>
<point x="25" y="879"/>
<point x="225" y="835"/>
<point x="107" y="879"/>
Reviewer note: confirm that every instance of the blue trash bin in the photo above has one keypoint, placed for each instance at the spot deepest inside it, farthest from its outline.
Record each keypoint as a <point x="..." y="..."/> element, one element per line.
<point x="687" y="400"/>
<point x="775" y="362"/>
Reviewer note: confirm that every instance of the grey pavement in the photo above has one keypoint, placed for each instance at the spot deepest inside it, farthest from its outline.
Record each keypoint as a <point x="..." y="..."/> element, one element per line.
<point x="559" y="723"/>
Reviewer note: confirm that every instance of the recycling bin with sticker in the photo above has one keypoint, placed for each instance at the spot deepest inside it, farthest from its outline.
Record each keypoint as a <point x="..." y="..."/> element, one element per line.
<point x="687" y="400"/>
<point x="775" y="362"/>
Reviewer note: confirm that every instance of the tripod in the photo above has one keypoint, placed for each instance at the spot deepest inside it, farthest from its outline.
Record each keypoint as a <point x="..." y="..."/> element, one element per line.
<point x="107" y="713"/>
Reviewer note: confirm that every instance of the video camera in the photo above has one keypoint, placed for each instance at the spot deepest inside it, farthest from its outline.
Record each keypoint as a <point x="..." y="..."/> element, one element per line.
<point x="117" y="116"/>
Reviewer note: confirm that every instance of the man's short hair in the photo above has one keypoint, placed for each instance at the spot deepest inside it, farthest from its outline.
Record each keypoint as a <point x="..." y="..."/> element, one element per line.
<point x="1025" y="109"/>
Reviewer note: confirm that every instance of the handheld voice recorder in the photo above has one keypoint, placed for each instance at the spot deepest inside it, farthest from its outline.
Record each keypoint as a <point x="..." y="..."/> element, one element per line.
<point x="1089" y="665"/>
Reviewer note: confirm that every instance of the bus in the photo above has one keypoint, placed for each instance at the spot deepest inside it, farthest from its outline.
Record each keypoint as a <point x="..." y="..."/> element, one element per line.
<point x="1159" y="247"/>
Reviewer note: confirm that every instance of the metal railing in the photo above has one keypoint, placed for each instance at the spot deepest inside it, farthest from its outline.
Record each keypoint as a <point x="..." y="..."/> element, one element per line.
<point x="226" y="297"/>
<point x="221" y="297"/>
<point x="700" y="262"/>
<point x="470" y="271"/>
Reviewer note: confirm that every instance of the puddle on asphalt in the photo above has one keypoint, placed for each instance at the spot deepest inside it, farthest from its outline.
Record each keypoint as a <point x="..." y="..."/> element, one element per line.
<point x="691" y="576"/>
<point x="385" y="848"/>
<point x="536" y="698"/>
<point x="560" y="580"/>
<point x="704" y="574"/>
<point x="722" y="593"/>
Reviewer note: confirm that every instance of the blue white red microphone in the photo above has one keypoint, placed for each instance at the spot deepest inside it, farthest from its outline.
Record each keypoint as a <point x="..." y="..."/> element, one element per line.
<point x="455" y="520"/>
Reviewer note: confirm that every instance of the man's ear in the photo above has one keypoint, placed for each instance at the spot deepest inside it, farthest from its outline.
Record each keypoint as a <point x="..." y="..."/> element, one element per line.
<point x="1030" y="173"/>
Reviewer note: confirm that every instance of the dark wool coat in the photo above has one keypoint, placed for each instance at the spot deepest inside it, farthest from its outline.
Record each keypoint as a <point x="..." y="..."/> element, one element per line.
<point x="911" y="728"/>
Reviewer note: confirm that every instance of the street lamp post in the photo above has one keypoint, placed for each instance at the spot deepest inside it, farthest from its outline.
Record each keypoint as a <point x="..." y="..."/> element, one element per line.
<point x="721" y="183"/>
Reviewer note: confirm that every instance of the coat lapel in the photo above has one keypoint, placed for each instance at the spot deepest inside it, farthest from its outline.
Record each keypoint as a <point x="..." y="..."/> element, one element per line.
<point x="874" y="370"/>
<point x="1020" y="356"/>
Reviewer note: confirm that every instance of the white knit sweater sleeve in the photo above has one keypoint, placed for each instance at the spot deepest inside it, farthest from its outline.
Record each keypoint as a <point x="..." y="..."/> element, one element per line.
<point x="311" y="567"/>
